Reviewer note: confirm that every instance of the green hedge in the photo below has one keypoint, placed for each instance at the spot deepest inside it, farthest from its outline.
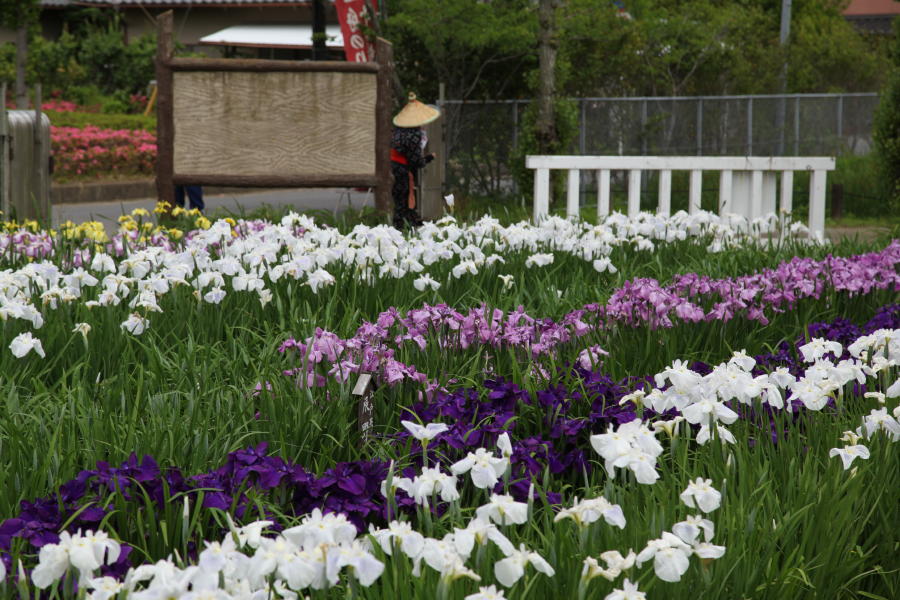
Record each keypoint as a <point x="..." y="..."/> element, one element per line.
<point x="84" y="119"/>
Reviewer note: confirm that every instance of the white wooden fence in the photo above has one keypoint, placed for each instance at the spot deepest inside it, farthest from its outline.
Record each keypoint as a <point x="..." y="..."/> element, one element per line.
<point x="747" y="184"/>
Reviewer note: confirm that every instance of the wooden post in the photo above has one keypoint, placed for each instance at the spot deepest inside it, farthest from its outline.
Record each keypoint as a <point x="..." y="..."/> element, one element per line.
<point x="634" y="192"/>
<point x="787" y="192"/>
<point x="4" y="154"/>
<point x="770" y="193"/>
<point x="664" y="206"/>
<point x="432" y="187"/>
<point x="384" y="56"/>
<point x="541" y="194"/>
<point x="40" y="193"/>
<point x="165" y="124"/>
<point x="573" y="196"/>
<point x="366" y="407"/>
<point x="603" y="193"/>
<point x="21" y="66"/>
<point x="756" y="194"/>
<point x="817" y="204"/>
<point x="837" y="201"/>
<point x="725" y="202"/>
<point x="696" y="191"/>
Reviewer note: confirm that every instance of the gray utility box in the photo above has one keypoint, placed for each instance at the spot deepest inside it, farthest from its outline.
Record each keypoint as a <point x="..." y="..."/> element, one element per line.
<point x="25" y="165"/>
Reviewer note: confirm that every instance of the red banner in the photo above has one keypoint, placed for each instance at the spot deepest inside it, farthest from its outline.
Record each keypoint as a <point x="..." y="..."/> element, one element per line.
<point x="352" y="14"/>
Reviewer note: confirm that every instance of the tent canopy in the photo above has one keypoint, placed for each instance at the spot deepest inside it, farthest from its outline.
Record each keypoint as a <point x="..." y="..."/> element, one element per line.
<point x="275" y="35"/>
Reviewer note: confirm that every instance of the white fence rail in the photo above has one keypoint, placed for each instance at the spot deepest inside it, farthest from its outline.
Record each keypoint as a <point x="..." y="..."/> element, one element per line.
<point x="748" y="185"/>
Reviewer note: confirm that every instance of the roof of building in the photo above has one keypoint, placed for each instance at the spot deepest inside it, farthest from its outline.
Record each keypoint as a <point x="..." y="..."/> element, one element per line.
<point x="874" y="16"/>
<point x="273" y="35"/>
<point x="871" y="8"/>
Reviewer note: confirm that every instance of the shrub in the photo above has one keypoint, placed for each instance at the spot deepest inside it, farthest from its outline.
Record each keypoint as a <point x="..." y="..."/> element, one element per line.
<point x="87" y="65"/>
<point x="92" y="152"/>
<point x="101" y="120"/>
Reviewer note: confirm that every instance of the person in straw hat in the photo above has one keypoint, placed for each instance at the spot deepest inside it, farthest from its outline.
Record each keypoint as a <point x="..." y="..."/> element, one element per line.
<point x="408" y="156"/>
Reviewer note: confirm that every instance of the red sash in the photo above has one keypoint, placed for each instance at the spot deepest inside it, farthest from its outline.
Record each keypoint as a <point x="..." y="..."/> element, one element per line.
<point x="398" y="158"/>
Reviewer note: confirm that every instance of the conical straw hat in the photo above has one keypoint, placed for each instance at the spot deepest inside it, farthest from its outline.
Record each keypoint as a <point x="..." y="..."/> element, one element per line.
<point x="416" y="114"/>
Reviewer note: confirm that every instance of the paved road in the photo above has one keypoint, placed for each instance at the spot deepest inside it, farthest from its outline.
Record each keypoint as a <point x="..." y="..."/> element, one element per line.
<point x="300" y="199"/>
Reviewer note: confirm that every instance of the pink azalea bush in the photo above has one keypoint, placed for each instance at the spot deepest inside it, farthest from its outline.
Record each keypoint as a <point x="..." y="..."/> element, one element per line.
<point x="94" y="152"/>
<point x="55" y="105"/>
<point x="60" y="106"/>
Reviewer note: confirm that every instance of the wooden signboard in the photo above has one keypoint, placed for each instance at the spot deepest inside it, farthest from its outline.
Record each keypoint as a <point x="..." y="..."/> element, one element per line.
<point x="366" y="405"/>
<point x="272" y="123"/>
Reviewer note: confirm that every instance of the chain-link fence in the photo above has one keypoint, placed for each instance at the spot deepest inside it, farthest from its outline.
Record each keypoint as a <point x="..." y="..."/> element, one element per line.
<point x="481" y="136"/>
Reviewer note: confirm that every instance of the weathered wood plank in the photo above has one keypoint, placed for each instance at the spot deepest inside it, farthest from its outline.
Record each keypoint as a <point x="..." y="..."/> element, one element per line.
<point x="665" y="192"/>
<point x="603" y="193"/>
<point x="541" y="194"/>
<point x="384" y="55"/>
<point x="249" y="65"/>
<point x="725" y="192"/>
<point x="787" y="192"/>
<point x="165" y="128"/>
<point x="272" y="124"/>
<point x="573" y="195"/>
<point x="682" y="163"/>
<point x="634" y="192"/>
<point x="311" y="181"/>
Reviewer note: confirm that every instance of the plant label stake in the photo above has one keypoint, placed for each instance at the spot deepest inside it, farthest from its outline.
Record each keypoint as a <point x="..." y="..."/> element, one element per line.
<point x="366" y="407"/>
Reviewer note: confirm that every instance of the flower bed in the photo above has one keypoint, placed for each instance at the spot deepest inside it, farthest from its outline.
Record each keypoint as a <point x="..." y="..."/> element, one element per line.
<point x="561" y="411"/>
<point x="356" y="490"/>
<point x="93" y="152"/>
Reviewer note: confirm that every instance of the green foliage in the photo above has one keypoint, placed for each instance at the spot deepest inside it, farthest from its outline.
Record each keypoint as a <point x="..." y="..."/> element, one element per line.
<point x="828" y="55"/>
<point x="114" y="65"/>
<point x="666" y="47"/>
<point x="90" y="60"/>
<point x="8" y="62"/>
<point x="865" y="191"/>
<point x="106" y="121"/>
<point x="566" y="112"/>
<point x="477" y="49"/>
<point x="701" y="47"/>
<point x="886" y="129"/>
<point x="54" y="63"/>
<point x="15" y="13"/>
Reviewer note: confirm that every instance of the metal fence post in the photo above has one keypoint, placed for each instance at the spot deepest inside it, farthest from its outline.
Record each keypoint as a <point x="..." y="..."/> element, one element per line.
<point x="840" y="118"/>
<point x="700" y="127"/>
<point x="749" y="126"/>
<point x="515" y="140"/>
<point x="797" y="126"/>
<point x="515" y="120"/>
<point x="4" y="162"/>
<point x="644" y="127"/>
<point x="582" y="137"/>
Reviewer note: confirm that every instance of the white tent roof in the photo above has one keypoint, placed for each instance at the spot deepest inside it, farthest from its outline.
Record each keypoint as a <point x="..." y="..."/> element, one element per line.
<point x="273" y="36"/>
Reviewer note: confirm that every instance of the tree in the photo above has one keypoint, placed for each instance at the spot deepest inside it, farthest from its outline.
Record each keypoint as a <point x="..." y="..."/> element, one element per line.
<point x="886" y="132"/>
<point x="476" y="49"/>
<point x="545" y="125"/>
<point x="19" y="15"/>
<point x="826" y="54"/>
<point x="711" y="47"/>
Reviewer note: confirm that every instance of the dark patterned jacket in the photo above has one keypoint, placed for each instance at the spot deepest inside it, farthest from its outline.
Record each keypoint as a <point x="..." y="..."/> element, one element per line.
<point x="407" y="141"/>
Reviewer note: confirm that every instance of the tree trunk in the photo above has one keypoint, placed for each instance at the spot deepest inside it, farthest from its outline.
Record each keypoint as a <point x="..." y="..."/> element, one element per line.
<point x="21" y="63"/>
<point x="547" y="45"/>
